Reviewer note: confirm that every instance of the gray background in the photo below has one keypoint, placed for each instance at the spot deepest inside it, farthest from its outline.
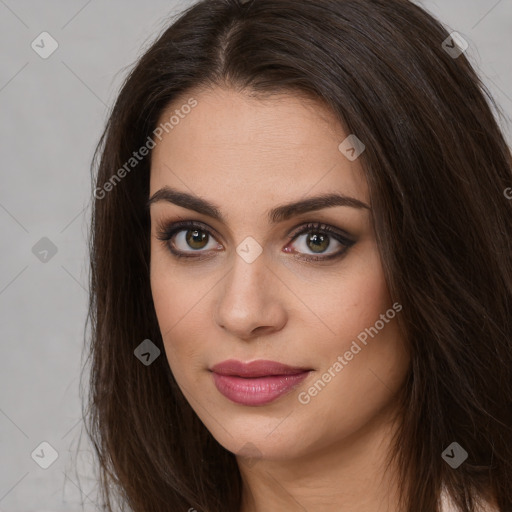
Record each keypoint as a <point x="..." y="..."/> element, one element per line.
<point x="52" y="114"/>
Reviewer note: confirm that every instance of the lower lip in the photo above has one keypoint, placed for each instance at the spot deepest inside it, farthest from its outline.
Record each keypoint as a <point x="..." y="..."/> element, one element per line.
<point x="256" y="391"/>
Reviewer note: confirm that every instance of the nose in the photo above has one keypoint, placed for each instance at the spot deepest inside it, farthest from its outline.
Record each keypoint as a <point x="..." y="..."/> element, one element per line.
<point x="250" y="301"/>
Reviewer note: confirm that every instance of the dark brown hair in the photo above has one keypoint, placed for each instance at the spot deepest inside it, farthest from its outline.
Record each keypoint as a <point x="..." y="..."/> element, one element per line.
<point x="436" y="165"/>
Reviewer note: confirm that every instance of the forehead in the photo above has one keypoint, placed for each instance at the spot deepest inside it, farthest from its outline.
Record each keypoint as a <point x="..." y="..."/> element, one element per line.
<point x="241" y="150"/>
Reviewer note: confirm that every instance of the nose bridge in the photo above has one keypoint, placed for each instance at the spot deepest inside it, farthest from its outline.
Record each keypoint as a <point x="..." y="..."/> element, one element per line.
<point x="247" y="298"/>
<point x="244" y="286"/>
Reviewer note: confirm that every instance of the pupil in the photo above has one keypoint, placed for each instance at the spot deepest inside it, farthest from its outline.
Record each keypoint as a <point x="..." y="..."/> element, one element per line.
<point x="196" y="236"/>
<point x="319" y="242"/>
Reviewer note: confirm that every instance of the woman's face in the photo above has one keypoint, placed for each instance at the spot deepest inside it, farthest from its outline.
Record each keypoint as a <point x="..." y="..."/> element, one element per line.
<point x="256" y="283"/>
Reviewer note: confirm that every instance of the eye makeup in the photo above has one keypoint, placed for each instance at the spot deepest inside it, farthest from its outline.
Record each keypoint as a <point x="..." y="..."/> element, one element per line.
<point x="320" y="234"/>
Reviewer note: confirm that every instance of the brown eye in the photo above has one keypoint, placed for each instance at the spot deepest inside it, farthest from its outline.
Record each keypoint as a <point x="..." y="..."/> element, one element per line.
<point x="192" y="240"/>
<point x="317" y="242"/>
<point x="313" y="240"/>
<point x="187" y="239"/>
<point x="196" y="238"/>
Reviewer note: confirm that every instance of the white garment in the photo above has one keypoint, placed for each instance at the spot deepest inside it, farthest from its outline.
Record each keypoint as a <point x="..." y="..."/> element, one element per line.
<point x="449" y="506"/>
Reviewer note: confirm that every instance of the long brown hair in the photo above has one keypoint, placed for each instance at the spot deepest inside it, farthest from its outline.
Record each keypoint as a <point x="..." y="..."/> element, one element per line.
<point x="436" y="165"/>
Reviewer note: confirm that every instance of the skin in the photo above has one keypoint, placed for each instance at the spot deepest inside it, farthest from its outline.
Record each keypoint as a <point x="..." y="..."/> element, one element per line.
<point x="247" y="156"/>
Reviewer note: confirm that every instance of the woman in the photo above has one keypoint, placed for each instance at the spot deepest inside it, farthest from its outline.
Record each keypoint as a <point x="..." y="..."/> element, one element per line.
<point x="301" y="283"/>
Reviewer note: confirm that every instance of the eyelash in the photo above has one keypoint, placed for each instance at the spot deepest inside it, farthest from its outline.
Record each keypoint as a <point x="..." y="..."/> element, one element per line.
<point x="167" y="231"/>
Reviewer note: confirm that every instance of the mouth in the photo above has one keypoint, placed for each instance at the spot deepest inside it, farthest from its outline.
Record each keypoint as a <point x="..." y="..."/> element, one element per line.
<point x="258" y="382"/>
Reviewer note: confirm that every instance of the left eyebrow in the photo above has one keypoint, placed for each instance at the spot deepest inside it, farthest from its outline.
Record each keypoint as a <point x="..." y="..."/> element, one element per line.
<point x="278" y="214"/>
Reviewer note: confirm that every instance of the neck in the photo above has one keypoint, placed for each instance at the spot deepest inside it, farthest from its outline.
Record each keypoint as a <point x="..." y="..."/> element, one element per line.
<point x="349" y="476"/>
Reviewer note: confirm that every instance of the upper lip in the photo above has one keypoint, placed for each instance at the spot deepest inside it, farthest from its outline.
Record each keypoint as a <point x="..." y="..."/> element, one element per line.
<point x="259" y="368"/>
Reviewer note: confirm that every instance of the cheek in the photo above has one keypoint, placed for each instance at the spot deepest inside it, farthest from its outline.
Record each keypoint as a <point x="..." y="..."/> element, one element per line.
<point x="175" y="289"/>
<point x="359" y="312"/>
<point x="179" y="301"/>
<point x="355" y="299"/>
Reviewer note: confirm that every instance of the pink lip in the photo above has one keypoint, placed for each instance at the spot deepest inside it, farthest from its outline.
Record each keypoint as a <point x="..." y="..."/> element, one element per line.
<point x="258" y="382"/>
